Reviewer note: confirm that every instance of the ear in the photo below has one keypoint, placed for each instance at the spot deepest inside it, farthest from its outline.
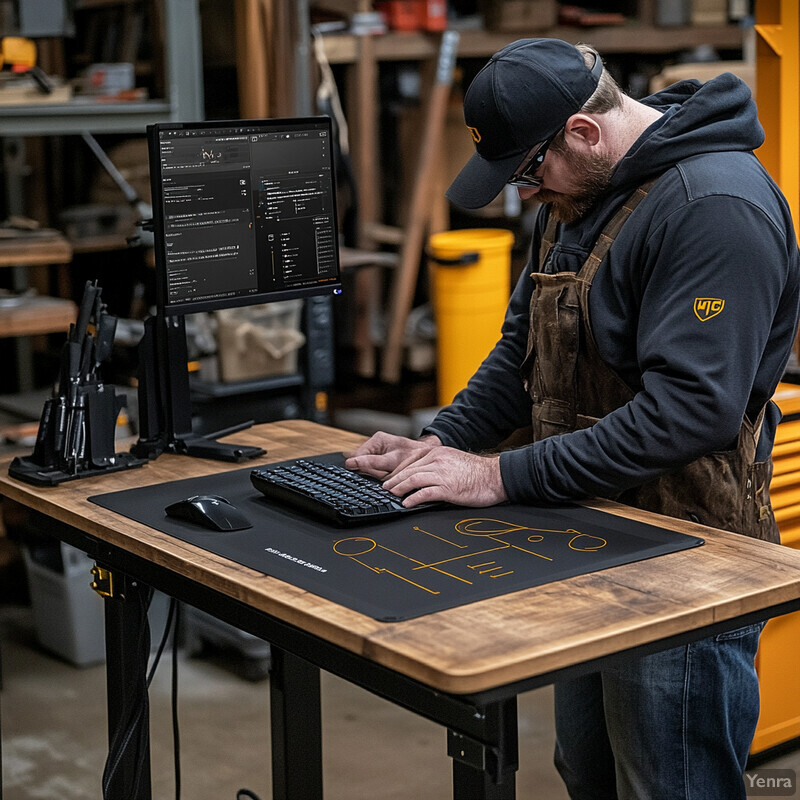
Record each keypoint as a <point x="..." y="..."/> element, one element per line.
<point x="582" y="132"/>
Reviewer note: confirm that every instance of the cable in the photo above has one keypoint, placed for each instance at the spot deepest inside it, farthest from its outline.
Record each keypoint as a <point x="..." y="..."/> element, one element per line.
<point x="176" y="738"/>
<point x="139" y="707"/>
<point x="171" y="626"/>
<point x="173" y="604"/>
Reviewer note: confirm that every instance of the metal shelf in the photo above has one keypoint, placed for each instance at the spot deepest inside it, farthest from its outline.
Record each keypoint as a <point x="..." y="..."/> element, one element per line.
<point x="184" y="67"/>
<point x="631" y="38"/>
<point x="74" y="118"/>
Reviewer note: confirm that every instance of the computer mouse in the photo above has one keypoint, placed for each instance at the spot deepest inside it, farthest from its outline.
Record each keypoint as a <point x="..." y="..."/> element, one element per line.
<point x="211" y="511"/>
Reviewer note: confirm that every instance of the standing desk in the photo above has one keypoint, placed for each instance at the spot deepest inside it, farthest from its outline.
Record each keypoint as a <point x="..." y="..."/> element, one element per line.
<point x="462" y="668"/>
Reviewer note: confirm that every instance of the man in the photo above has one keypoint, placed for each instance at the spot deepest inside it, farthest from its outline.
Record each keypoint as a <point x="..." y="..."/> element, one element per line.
<point x="642" y="345"/>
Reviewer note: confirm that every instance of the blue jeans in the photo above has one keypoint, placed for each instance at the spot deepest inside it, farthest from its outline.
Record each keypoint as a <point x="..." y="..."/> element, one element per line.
<point x="675" y="725"/>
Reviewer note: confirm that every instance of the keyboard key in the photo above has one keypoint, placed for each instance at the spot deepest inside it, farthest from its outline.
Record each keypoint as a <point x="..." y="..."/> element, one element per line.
<point x="329" y="491"/>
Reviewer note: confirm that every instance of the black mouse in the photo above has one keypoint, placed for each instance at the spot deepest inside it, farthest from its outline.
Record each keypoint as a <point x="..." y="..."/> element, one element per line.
<point x="211" y="511"/>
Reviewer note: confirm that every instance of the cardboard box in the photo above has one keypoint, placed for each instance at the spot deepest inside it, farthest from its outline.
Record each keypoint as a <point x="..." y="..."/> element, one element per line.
<point x="709" y="12"/>
<point x="259" y="341"/>
<point x="704" y="72"/>
<point x="519" y="16"/>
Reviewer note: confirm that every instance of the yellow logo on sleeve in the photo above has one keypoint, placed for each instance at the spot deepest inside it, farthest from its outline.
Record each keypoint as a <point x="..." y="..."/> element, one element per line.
<point x="707" y="307"/>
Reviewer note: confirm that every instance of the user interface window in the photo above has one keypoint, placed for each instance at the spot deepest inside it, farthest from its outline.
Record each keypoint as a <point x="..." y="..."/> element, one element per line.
<point x="246" y="210"/>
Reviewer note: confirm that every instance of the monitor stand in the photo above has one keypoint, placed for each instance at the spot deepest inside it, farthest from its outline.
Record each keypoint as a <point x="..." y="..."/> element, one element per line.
<point x="165" y="414"/>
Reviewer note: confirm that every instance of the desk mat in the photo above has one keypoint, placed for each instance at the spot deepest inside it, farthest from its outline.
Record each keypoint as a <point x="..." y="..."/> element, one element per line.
<point x="411" y="566"/>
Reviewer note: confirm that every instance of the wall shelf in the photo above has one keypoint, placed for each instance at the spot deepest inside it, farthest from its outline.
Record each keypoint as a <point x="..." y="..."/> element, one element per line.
<point x="634" y="38"/>
<point x="183" y="65"/>
<point x="74" y="118"/>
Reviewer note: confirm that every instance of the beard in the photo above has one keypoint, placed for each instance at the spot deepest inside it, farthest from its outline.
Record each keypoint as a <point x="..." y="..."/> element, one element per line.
<point x="592" y="176"/>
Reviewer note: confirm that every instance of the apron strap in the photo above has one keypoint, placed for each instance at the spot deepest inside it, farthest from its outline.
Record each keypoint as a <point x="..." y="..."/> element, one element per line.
<point x="548" y="240"/>
<point x="758" y="424"/>
<point x="610" y="232"/>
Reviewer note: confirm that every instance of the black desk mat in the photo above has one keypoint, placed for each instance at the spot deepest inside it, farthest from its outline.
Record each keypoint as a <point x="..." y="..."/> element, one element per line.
<point x="407" y="567"/>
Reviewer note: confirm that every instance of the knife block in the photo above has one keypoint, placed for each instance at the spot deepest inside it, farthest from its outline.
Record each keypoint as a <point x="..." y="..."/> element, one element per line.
<point x="76" y="437"/>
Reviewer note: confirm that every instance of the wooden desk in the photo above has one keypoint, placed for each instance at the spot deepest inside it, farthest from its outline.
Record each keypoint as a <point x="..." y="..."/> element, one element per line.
<point x="462" y="668"/>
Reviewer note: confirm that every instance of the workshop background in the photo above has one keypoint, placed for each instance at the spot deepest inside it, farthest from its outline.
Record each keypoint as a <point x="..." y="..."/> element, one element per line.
<point x="79" y="82"/>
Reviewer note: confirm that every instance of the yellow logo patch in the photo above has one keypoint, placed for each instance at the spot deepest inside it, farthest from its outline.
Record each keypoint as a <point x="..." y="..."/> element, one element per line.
<point x="707" y="307"/>
<point x="473" y="132"/>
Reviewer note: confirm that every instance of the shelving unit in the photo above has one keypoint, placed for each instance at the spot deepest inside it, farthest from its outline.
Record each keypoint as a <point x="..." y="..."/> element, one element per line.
<point x="184" y="100"/>
<point x="37" y="315"/>
<point x="363" y="59"/>
<point x="30" y="316"/>
<point x="634" y="38"/>
<point x="183" y="67"/>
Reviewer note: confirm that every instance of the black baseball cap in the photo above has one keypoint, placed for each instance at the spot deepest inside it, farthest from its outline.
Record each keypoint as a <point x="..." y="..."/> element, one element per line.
<point x="523" y="96"/>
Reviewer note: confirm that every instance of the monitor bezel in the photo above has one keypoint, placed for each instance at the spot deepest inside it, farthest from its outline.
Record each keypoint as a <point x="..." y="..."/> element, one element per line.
<point x="156" y="188"/>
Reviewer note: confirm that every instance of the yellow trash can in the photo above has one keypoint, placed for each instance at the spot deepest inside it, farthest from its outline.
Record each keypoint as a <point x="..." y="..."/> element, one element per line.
<point x="470" y="282"/>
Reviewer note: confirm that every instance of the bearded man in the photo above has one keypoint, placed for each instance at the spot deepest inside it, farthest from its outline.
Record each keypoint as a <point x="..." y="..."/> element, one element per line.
<point x="641" y="347"/>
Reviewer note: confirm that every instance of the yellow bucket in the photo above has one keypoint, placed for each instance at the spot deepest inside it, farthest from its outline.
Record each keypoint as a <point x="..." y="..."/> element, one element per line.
<point x="470" y="282"/>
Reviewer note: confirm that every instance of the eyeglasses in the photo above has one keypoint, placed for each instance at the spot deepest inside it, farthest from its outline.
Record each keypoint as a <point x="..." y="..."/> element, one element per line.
<point x="526" y="171"/>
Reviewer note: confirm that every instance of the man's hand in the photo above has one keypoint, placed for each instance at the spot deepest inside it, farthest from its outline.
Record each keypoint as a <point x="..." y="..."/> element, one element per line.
<point x="429" y="470"/>
<point x="444" y="473"/>
<point x="385" y="453"/>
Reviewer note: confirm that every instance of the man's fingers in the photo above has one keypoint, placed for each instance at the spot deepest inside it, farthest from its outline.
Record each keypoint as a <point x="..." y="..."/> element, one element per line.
<point x="385" y="453"/>
<point x="379" y="466"/>
<point x="411" y="458"/>
<point x="428" y="494"/>
<point x="450" y="476"/>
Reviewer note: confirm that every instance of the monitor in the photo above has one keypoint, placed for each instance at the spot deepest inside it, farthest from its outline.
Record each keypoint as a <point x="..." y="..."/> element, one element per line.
<point x="244" y="212"/>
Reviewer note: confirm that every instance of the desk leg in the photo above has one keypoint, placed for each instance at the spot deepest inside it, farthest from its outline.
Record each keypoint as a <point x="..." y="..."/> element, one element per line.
<point x="127" y="772"/>
<point x="485" y="760"/>
<point x="296" y="721"/>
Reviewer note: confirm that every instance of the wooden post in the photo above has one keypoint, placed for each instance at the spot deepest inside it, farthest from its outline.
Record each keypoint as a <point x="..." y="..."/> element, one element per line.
<point x="405" y="277"/>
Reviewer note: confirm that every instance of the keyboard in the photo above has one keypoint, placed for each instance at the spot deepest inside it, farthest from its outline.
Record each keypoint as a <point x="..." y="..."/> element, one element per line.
<point x="330" y="492"/>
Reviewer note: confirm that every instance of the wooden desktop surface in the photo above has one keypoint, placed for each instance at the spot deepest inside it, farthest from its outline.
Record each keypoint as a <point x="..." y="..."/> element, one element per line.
<point x="475" y="647"/>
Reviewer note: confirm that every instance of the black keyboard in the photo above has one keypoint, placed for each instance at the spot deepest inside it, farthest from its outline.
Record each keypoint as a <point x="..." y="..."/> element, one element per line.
<point x="329" y="491"/>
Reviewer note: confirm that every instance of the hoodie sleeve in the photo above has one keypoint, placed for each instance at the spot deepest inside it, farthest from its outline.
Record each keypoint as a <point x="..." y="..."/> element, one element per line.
<point x="712" y="277"/>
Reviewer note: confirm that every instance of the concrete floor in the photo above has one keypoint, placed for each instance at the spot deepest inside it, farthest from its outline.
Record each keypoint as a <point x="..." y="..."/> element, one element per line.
<point x="54" y="735"/>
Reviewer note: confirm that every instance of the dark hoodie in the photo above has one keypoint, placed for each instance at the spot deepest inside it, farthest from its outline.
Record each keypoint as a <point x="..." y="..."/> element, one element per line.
<point x="713" y="226"/>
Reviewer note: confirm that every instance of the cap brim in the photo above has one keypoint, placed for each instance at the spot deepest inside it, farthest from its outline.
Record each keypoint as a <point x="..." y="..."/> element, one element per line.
<point x="481" y="180"/>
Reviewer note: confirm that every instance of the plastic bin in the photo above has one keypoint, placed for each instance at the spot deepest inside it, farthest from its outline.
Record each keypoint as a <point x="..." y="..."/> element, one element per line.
<point x="471" y="281"/>
<point x="68" y="614"/>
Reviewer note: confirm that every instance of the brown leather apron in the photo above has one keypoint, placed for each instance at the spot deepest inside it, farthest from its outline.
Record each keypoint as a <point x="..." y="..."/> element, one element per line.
<point x="572" y="388"/>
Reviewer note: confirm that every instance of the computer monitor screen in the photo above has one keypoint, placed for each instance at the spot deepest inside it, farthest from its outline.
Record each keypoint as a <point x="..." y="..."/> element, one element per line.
<point x="243" y="212"/>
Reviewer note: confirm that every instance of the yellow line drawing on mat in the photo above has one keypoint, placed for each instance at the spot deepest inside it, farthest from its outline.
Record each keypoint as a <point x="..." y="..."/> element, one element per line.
<point x="418" y="585"/>
<point x="440" y="538"/>
<point x="376" y="557"/>
<point x="363" y="564"/>
<point x="589" y="547"/>
<point x="360" y="545"/>
<point x="458" y="558"/>
<point x="450" y="575"/>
